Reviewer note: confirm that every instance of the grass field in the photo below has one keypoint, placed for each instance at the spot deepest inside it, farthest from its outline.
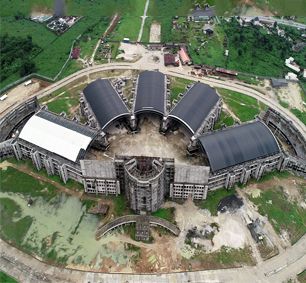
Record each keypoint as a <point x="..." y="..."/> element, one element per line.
<point x="55" y="49"/>
<point x="12" y="227"/>
<point x="4" y="278"/>
<point x="243" y="106"/>
<point x="225" y="119"/>
<point x="177" y="86"/>
<point x="15" y="181"/>
<point x="213" y="200"/>
<point x="127" y="27"/>
<point x="27" y="163"/>
<point x="165" y="213"/>
<point x="282" y="214"/>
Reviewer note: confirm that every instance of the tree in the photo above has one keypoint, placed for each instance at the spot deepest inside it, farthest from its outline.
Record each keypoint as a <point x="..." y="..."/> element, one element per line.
<point x="27" y="67"/>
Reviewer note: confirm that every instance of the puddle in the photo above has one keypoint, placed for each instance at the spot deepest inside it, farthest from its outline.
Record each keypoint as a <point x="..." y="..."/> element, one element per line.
<point x="62" y="227"/>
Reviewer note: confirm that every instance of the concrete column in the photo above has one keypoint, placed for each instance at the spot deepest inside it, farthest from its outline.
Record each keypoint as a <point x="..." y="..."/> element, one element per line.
<point x="133" y="123"/>
<point x="17" y="151"/>
<point x="63" y="173"/>
<point x="36" y="159"/>
<point x="171" y="191"/>
<point x="205" y="191"/>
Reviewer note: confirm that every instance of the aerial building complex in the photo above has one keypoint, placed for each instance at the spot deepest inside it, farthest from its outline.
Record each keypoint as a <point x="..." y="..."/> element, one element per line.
<point x="229" y="156"/>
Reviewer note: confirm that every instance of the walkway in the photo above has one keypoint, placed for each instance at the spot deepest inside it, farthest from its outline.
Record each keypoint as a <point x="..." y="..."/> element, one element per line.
<point x="102" y="230"/>
<point x="143" y="20"/>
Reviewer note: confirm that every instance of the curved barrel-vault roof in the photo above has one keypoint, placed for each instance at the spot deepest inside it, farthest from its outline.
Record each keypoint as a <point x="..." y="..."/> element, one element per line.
<point x="105" y="102"/>
<point x="236" y="145"/>
<point x="195" y="106"/>
<point x="150" y="93"/>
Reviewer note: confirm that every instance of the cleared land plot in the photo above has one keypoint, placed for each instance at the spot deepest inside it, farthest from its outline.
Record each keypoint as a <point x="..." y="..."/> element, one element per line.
<point x="155" y="32"/>
<point x="280" y="198"/>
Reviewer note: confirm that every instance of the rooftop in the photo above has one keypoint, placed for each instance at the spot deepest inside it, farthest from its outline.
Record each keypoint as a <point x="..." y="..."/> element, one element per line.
<point x="105" y="102"/>
<point x="191" y="174"/>
<point x="57" y="134"/>
<point x="98" y="169"/>
<point x="195" y="106"/>
<point x="238" y="144"/>
<point x="150" y="92"/>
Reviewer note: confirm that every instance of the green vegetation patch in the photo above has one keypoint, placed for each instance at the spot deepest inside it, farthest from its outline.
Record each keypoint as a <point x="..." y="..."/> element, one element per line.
<point x="165" y="213"/>
<point x="302" y="276"/>
<point x="224" y="119"/>
<point x="226" y="257"/>
<point x="4" y="278"/>
<point x="12" y="227"/>
<point x="120" y="205"/>
<point x="282" y="213"/>
<point x="15" y="181"/>
<point x="213" y="199"/>
<point x="128" y="26"/>
<point x="300" y="114"/>
<point x="243" y="106"/>
<point x="177" y="86"/>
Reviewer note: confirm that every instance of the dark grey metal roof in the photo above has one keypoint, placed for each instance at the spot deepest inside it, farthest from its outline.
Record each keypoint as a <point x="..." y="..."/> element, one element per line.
<point x="69" y="124"/>
<point x="105" y="102"/>
<point x="238" y="144"/>
<point x="150" y="92"/>
<point x="195" y="106"/>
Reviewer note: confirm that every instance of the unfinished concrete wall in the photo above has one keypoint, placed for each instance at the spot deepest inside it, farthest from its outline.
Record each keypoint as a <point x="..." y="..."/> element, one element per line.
<point x="280" y="126"/>
<point x="9" y="121"/>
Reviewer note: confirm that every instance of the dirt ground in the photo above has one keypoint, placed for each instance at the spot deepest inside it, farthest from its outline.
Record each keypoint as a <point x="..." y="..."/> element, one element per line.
<point x="155" y="32"/>
<point x="148" y="142"/>
<point x="290" y="94"/>
<point x="131" y="52"/>
<point x="21" y="93"/>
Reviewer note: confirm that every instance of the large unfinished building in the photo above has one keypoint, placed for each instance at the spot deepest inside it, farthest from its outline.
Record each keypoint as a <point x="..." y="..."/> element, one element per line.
<point x="231" y="155"/>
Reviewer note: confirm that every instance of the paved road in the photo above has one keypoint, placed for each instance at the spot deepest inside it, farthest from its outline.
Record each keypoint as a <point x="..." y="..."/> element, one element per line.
<point x="228" y="84"/>
<point x="277" y="269"/>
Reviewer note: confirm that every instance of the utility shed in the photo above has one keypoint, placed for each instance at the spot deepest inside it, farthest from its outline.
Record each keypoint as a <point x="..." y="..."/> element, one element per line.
<point x="105" y="102"/>
<point x="195" y="106"/>
<point x="57" y="134"/>
<point x="191" y="174"/>
<point x="150" y="93"/>
<point x="239" y="144"/>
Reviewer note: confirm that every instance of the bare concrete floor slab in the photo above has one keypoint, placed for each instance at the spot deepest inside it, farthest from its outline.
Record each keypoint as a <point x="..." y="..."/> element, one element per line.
<point x="148" y="142"/>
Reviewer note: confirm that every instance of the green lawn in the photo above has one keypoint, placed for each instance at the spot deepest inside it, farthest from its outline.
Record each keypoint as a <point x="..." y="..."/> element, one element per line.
<point x="63" y="103"/>
<point x="4" y="278"/>
<point x="225" y="119"/>
<point x="12" y="227"/>
<point x="282" y="214"/>
<point x="165" y="213"/>
<point x="120" y="205"/>
<point x="243" y="106"/>
<point x="177" y="86"/>
<point x="128" y="26"/>
<point x="213" y="199"/>
<point x="16" y="181"/>
<point x="71" y="184"/>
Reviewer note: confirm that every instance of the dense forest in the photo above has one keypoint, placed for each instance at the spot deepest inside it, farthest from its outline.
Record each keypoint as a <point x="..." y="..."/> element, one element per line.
<point x="16" y="55"/>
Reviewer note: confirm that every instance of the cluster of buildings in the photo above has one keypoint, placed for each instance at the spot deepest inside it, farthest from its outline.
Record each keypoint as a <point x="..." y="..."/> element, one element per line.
<point x="231" y="155"/>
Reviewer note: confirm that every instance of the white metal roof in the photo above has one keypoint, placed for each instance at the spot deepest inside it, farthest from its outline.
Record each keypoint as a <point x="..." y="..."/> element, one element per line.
<point x="54" y="137"/>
